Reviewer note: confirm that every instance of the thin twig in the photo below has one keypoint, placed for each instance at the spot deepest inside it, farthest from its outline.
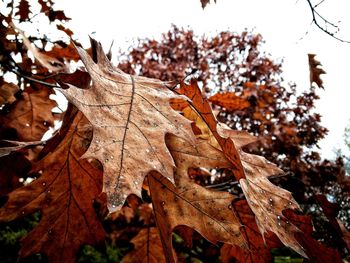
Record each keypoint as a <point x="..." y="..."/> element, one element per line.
<point x="316" y="15"/>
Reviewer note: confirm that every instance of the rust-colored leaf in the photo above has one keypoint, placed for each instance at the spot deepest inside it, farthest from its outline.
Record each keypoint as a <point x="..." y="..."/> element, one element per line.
<point x="205" y="2"/>
<point x="45" y="5"/>
<point x="65" y="30"/>
<point x="57" y="15"/>
<point x="258" y="249"/>
<point x="204" y="110"/>
<point x="31" y="115"/>
<point x="148" y="248"/>
<point x="315" y="70"/>
<point x="64" y="193"/>
<point x="229" y="101"/>
<point x="12" y="168"/>
<point x="130" y="117"/>
<point x="331" y="211"/>
<point x="316" y="251"/>
<point x="23" y="10"/>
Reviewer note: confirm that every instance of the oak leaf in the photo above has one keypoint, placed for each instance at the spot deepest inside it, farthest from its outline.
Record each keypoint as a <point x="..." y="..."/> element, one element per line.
<point x="130" y="117"/>
<point x="258" y="249"/>
<point x="315" y="70"/>
<point x="31" y="115"/>
<point x="266" y="200"/>
<point x="208" y="212"/>
<point x="188" y="204"/>
<point x="316" y="251"/>
<point x="50" y="62"/>
<point x="23" y="10"/>
<point x="64" y="193"/>
<point x="148" y="248"/>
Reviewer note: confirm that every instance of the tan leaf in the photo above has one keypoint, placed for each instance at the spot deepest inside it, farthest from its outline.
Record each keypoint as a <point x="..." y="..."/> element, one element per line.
<point x="130" y="116"/>
<point x="208" y="212"/>
<point x="64" y="193"/>
<point x="266" y="200"/>
<point x="7" y="92"/>
<point x="50" y="62"/>
<point x="148" y="248"/>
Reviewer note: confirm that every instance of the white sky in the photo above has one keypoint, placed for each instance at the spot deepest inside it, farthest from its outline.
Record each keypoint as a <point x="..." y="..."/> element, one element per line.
<point x="285" y="26"/>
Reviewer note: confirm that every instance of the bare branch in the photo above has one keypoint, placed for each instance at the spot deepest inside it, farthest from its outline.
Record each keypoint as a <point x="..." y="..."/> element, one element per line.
<point x="317" y="18"/>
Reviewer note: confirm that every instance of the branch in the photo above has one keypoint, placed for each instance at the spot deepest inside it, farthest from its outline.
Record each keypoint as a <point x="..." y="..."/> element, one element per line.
<point x="315" y="19"/>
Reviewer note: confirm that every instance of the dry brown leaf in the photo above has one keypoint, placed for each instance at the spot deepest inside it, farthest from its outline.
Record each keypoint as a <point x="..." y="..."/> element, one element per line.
<point x="148" y="248"/>
<point x="12" y="168"/>
<point x="205" y="2"/>
<point x="257" y="250"/>
<point x="130" y="117"/>
<point x="208" y="212"/>
<point x="204" y="112"/>
<point x="7" y="92"/>
<point x="23" y="10"/>
<point x="266" y="200"/>
<point x="31" y="115"/>
<point x="50" y="62"/>
<point x="64" y="193"/>
<point x="315" y="70"/>
<point x="229" y="101"/>
<point x="202" y="154"/>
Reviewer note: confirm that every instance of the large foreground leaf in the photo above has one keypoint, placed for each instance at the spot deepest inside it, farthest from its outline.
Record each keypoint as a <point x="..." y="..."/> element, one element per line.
<point x="130" y="117"/>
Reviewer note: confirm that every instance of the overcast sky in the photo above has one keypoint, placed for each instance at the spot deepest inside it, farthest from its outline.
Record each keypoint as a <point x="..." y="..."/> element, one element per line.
<point x="285" y="26"/>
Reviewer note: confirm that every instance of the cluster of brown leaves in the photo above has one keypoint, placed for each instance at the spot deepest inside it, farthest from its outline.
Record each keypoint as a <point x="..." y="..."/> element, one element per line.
<point x="126" y="135"/>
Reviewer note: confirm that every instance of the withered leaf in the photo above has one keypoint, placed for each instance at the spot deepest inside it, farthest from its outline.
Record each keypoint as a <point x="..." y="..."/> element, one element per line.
<point x="31" y="115"/>
<point x="130" y="117"/>
<point x="65" y="30"/>
<point x="205" y="2"/>
<point x="229" y="101"/>
<point x="23" y="10"/>
<point x="7" y="92"/>
<point x="148" y="248"/>
<point x="208" y="212"/>
<point x="266" y="200"/>
<point x="45" y="5"/>
<point x="12" y="168"/>
<point x="205" y="113"/>
<point x="64" y="193"/>
<point x="57" y="15"/>
<point x="52" y="63"/>
<point x="315" y="70"/>
<point x="316" y="251"/>
<point x="258" y="249"/>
